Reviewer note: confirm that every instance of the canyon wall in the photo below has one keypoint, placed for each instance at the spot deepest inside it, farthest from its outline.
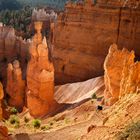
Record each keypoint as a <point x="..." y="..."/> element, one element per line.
<point x="84" y="33"/>
<point x="80" y="40"/>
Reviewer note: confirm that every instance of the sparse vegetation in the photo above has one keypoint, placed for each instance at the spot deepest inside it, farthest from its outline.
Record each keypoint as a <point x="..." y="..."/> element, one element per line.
<point x="46" y="127"/>
<point x="19" y="19"/>
<point x="67" y="120"/>
<point x="26" y="120"/>
<point x="14" y="120"/>
<point x="51" y="123"/>
<point x="36" y="123"/>
<point x="94" y="96"/>
<point x="132" y="132"/>
<point x="13" y="110"/>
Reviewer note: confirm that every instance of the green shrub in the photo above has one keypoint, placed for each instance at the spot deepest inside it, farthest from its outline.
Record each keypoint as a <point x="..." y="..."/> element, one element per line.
<point x="36" y="123"/>
<point x="14" y="120"/>
<point x="67" y="120"/>
<point x="26" y="120"/>
<point x="13" y="110"/>
<point x="47" y="127"/>
<point x="131" y="132"/>
<point x="51" y="123"/>
<point x="94" y="96"/>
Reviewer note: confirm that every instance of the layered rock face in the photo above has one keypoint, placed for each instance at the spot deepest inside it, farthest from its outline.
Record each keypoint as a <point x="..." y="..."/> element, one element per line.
<point x="84" y="33"/>
<point x="1" y="97"/>
<point x="121" y="74"/>
<point x="15" y="85"/>
<point x="40" y="76"/>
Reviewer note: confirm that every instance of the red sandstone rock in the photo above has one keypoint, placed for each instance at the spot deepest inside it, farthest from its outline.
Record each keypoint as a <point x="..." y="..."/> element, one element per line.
<point x="40" y="76"/>
<point x="15" y="85"/>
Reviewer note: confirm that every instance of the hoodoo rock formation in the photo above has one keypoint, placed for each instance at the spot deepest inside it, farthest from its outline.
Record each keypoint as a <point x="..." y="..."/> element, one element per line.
<point x="1" y="97"/>
<point x="40" y="76"/>
<point x="15" y="85"/>
<point x="121" y="74"/>
<point x="84" y="33"/>
<point x="11" y="48"/>
<point x="114" y="65"/>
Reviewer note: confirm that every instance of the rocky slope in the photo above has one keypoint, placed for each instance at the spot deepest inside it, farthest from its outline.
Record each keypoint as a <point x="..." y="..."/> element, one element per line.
<point x="78" y="108"/>
<point x="77" y="92"/>
<point x="81" y="115"/>
<point x="84" y="122"/>
<point x="84" y="33"/>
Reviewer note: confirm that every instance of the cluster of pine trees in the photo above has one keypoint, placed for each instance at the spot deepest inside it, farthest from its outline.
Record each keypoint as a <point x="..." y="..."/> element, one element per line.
<point x="19" y="19"/>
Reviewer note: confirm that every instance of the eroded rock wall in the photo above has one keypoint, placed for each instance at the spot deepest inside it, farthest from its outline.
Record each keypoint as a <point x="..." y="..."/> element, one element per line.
<point x="84" y="33"/>
<point x="121" y="74"/>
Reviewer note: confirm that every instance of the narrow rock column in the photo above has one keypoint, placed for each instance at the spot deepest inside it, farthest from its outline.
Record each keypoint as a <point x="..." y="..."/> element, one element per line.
<point x="15" y="85"/>
<point x="40" y="77"/>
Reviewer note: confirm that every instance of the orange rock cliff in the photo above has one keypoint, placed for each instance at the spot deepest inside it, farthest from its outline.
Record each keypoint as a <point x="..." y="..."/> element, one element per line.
<point x="82" y="36"/>
<point x="84" y="33"/>
<point x="80" y="41"/>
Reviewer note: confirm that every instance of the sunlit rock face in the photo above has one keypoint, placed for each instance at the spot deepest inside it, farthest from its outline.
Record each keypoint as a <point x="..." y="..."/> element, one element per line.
<point x="121" y="74"/>
<point x="84" y="33"/>
<point x="1" y="97"/>
<point x="130" y="82"/>
<point x="15" y="85"/>
<point x="114" y="65"/>
<point x="40" y="76"/>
